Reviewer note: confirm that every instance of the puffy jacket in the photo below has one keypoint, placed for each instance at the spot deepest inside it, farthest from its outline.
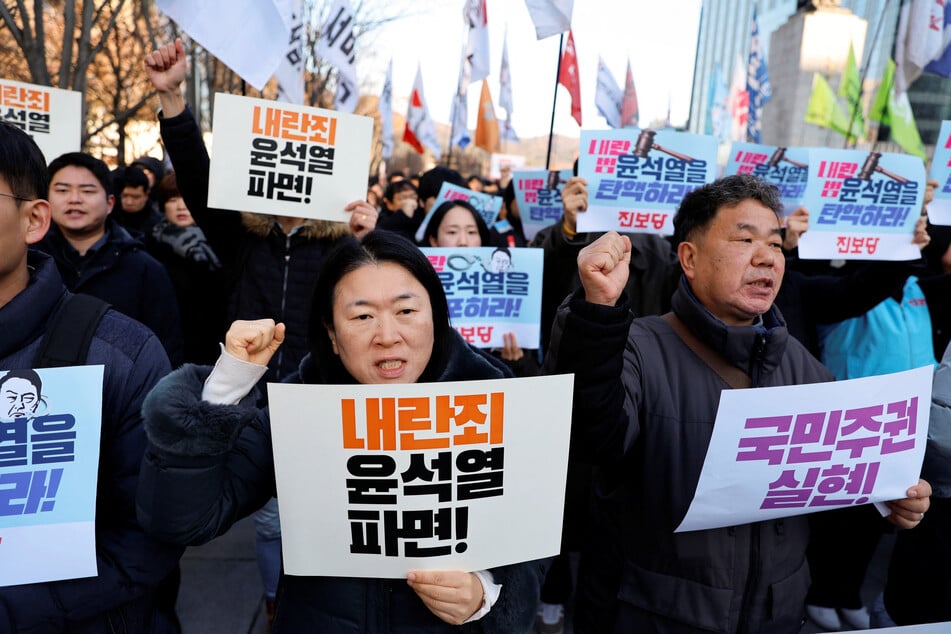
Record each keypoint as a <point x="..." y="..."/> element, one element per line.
<point x="272" y="274"/>
<point x="120" y="598"/>
<point x="132" y="281"/>
<point x="209" y="465"/>
<point x="644" y="409"/>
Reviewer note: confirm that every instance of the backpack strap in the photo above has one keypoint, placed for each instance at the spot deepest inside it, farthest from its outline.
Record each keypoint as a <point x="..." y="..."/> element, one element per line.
<point x="70" y="331"/>
<point x="732" y="375"/>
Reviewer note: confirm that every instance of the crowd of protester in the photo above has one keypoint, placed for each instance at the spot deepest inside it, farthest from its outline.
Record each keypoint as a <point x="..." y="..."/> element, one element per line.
<point x="636" y="317"/>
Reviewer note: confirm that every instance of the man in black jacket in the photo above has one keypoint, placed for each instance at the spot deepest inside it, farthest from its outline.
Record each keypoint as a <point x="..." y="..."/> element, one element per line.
<point x="98" y="257"/>
<point x="645" y="404"/>
<point x="122" y="596"/>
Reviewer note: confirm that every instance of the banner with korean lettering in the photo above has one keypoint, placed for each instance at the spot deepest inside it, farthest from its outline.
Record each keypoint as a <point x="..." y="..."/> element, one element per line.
<point x="538" y="195"/>
<point x="49" y="462"/>
<point x="287" y="160"/>
<point x="53" y="117"/>
<point x="784" y="167"/>
<point x="491" y="292"/>
<point x="487" y="205"/>
<point x="862" y="205"/>
<point x="783" y="451"/>
<point x="939" y="209"/>
<point x="637" y="177"/>
<point x="377" y="480"/>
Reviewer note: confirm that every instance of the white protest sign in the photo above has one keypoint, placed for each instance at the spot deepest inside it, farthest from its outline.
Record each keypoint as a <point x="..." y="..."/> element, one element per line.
<point x="782" y="451"/>
<point x="288" y="160"/>
<point x="378" y="480"/>
<point x="50" y="423"/>
<point x="53" y="117"/>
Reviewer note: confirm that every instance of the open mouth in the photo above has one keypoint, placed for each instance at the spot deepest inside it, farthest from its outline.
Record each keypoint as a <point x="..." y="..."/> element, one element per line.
<point x="390" y="364"/>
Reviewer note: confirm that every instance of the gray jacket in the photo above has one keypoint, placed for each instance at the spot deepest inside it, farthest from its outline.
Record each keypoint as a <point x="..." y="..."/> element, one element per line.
<point x="644" y="409"/>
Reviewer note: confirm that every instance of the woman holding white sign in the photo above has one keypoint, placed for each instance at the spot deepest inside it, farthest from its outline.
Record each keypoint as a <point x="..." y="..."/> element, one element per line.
<point x="379" y="316"/>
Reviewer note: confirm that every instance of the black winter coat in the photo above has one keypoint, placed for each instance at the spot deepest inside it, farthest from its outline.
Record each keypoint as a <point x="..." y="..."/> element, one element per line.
<point x="209" y="465"/>
<point x="644" y="407"/>
<point x="271" y="274"/>
<point x="120" y="598"/>
<point x="123" y="274"/>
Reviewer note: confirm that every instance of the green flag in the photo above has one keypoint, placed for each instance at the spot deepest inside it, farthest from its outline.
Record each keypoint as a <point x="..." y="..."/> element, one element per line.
<point x="850" y="87"/>
<point x="896" y="113"/>
<point x="823" y="109"/>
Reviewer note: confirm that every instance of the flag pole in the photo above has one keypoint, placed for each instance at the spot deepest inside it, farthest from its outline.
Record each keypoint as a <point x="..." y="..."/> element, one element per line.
<point x="868" y="62"/>
<point x="551" y="128"/>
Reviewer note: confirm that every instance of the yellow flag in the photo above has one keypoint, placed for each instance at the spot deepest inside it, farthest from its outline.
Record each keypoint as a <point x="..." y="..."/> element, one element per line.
<point x="823" y="109"/>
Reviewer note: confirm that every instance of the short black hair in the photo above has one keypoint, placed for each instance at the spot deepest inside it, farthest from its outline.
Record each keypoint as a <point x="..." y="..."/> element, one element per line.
<point x="166" y="189"/>
<point x="350" y="254"/>
<point x="396" y="187"/>
<point x="699" y="207"/>
<point x="22" y="164"/>
<point x="134" y="177"/>
<point x="79" y="159"/>
<point x="436" y="219"/>
<point x="29" y="375"/>
<point x="431" y="182"/>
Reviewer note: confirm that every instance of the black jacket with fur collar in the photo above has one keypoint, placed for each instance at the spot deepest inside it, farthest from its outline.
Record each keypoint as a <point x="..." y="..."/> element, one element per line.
<point x="271" y="273"/>
<point x="209" y="465"/>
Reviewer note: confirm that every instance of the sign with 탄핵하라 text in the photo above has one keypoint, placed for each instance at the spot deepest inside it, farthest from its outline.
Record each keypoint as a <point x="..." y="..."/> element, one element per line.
<point x="783" y="451"/>
<point x="378" y="480"/>
<point x="862" y="205"/>
<point x="50" y="422"/>
<point x="638" y="177"/>
<point x="53" y="117"/>
<point x="939" y="209"/>
<point x="784" y="167"/>
<point x="491" y="292"/>
<point x="487" y="205"/>
<point x="288" y="160"/>
<point x="538" y="195"/>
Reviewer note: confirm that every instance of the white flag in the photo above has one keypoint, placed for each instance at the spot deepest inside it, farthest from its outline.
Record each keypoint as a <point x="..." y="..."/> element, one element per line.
<point x="920" y="40"/>
<point x="460" y="121"/>
<point x="420" y="130"/>
<point x="336" y="45"/>
<point x="386" y="113"/>
<point x="477" y="44"/>
<point x="290" y="72"/>
<point x="550" y="17"/>
<point x="608" y="96"/>
<point x="505" y="79"/>
<point x="247" y="35"/>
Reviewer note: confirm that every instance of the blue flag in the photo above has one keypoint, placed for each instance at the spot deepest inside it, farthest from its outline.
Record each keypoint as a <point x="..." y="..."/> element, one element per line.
<point x="757" y="85"/>
<point x="941" y="65"/>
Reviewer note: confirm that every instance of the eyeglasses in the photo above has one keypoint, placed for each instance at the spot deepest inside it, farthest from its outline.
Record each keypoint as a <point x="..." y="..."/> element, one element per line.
<point x="15" y="197"/>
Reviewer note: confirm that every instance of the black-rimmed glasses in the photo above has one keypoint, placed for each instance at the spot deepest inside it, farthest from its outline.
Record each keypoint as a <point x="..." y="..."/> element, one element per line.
<point x="15" y="197"/>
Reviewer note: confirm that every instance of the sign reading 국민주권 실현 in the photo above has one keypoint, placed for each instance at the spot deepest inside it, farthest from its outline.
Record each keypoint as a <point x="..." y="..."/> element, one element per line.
<point x="782" y="451"/>
<point x="53" y="117"/>
<point x="491" y="292"/>
<point x="784" y="167"/>
<point x="487" y="205"/>
<point x="637" y="177"/>
<point x="862" y="205"/>
<point x="939" y="209"/>
<point x="538" y="194"/>
<point x="49" y="461"/>
<point x="378" y="480"/>
<point x="288" y="160"/>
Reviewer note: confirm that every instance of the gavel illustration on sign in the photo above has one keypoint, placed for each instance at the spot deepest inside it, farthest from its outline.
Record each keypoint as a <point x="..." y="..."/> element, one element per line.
<point x="645" y="143"/>
<point x="780" y="155"/>
<point x="871" y="165"/>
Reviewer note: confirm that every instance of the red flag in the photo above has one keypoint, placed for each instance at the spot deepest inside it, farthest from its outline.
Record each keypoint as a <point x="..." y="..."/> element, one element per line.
<point x="629" y="112"/>
<point x="568" y="77"/>
<point x="420" y="131"/>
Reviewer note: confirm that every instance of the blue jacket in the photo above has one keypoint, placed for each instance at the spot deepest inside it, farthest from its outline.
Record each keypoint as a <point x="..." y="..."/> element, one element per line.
<point x="209" y="465"/>
<point x="130" y="563"/>
<point x="132" y="281"/>
<point x="893" y="336"/>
